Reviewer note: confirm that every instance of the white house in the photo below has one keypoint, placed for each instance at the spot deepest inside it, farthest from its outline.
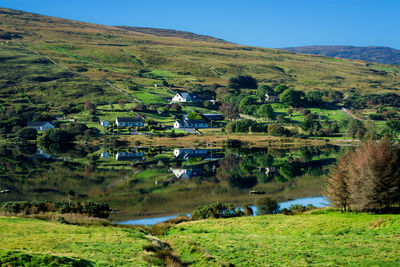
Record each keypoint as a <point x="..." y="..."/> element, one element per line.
<point x="129" y="121"/>
<point x="190" y="124"/>
<point x="105" y="123"/>
<point x="182" y="152"/>
<point x="271" y="97"/>
<point x="129" y="156"/>
<point x="41" y="125"/>
<point x="185" y="173"/>
<point x="186" y="97"/>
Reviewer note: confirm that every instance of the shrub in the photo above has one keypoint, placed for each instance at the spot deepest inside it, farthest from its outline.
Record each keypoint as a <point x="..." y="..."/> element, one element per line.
<point x="215" y="210"/>
<point x="267" y="205"/>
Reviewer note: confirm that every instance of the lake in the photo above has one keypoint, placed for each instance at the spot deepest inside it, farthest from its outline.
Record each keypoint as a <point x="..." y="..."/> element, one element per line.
<point x="151" y="182"/>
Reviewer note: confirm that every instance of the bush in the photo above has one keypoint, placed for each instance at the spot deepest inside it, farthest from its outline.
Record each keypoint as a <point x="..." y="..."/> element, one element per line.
<point x="216" y="210"/>
<point x="267" y="205"/>
<point x="88" y="208"/>
<point x="17" y="258"/>
<point x="277" y="130"/>
<point x="27" y="133"/>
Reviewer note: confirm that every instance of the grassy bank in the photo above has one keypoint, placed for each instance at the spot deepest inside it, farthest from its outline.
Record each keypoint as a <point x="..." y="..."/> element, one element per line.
<point x="95" y="245"/>
<point x="331" y="239"/>
<point x="319" y="238"/>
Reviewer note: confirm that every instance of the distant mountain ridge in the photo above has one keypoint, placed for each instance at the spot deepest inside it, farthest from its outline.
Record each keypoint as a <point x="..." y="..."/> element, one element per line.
<point x="378" y="54"/>
<point x="175" y="33"/>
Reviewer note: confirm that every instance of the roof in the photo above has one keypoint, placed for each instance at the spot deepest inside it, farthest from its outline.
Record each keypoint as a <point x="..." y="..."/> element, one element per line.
<point x="195" y="121"/>
<point x="130" y="119"/>
<point x="192" y="95"/>
<point x="38" y="123"/>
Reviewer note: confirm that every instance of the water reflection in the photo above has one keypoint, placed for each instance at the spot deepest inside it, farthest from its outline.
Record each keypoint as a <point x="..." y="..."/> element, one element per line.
<point x="151" y="181"/>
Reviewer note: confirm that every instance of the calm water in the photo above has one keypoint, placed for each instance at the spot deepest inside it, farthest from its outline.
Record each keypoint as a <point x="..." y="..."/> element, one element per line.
<point x="152" y="182"/>
<point x="318" y="202"/>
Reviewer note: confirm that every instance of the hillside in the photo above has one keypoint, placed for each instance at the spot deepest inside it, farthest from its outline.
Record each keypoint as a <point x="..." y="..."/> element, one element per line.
<point x="63" y="62"/>
<point x="378" y="54"/>
<point x="174" y="33"/>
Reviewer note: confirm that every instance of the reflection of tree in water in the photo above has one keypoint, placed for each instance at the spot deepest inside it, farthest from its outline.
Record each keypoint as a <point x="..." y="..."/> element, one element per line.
<point x="244" y="168"/>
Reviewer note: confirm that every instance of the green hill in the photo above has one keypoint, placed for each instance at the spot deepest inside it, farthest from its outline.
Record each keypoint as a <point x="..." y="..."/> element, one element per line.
<point x="48" y="62"/>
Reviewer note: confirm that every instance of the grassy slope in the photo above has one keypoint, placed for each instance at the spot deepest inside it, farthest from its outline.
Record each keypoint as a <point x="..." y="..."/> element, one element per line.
<point x="117" y="54"/>
<point x="324" y="239"/>
<point x="332" y="239"/>
<point x="104" y="246"/>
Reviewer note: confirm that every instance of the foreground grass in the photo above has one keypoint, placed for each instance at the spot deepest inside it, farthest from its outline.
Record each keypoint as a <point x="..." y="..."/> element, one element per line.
<point x="331" y="239"/>
<point x="95" y="245"/>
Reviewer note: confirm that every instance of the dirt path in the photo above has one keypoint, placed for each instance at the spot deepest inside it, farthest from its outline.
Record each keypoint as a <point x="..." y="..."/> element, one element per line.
<point x="347" y="112"/>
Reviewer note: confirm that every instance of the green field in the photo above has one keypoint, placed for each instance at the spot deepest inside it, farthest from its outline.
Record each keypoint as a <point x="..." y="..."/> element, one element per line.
<point x="332" y="239"/>
<point x="101" y="246"/>
<point x="320" y="238"/>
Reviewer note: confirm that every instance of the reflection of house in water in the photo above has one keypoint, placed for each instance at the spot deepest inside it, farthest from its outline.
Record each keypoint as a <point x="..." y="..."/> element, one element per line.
<point x="205" y="154"/>
<point x="105" y="155"/>
<point x="41" y="155"/>
<point x="271" y="170"/>
<point x="185" y="173"/>
<point x="129" y="156"/>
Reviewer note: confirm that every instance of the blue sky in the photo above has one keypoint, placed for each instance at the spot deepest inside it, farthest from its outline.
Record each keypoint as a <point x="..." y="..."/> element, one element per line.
<point x="262" y="23"/>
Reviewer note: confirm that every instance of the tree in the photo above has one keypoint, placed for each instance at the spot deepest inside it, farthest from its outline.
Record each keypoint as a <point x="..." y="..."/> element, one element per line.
<point x="356" y="129"/>
<point x="290" y="97"/>
<point x="336" y="95"/>
<point x="266" y="111"/>
<point x="229" y="110"/>
<point x="267" y="205"/>
<point x="27" y="133"/>
<point x="277" y="130"/>
<point x="392" y="128"/>
<point x="262" y="90"/>
<point x="242" y="81"/>
<point x="194" y="116"/>
<point x="121" y="103"/>
<point x="367" y="179"/>
<point x="88" y="105"/>
<point x="337" y="185"/>
<point x="280" y="88"/>
<point x="314" y="97"/>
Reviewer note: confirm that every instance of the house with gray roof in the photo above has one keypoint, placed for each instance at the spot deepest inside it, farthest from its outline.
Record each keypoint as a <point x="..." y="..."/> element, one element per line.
<point x="129" y="121"/>
<point x="41" y="125"/>
<point x="186" y="97"/>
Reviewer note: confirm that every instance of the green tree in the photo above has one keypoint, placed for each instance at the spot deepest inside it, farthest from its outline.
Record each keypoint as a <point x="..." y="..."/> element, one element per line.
<point x="290" y="97"/>
<point x="266" y="111"/>
<point x="194" y="116"/>
<point x="262" y="90"/>
<point x="279" y="89"/>
<point x="242" y="81"/>
<point x="27" y="133"/>
<point x="267" y="205"/>
<point x="314" y="97"/>
<point x="356" y="129"/>
<point x="392" y="127"/>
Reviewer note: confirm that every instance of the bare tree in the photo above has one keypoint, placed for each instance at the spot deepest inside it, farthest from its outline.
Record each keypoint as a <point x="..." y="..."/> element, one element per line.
<point x="367" y="179"/>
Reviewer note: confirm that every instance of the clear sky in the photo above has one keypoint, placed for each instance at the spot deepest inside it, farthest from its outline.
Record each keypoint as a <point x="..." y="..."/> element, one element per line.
<point x="265" y="23"/>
